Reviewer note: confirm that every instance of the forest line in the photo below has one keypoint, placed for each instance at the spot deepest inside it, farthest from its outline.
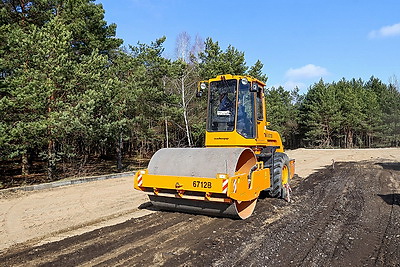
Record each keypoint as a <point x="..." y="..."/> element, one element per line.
<point x="69" y="91"/>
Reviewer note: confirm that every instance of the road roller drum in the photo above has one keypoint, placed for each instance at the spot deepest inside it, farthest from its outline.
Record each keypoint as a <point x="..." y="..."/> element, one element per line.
<point x="202" y="163"/>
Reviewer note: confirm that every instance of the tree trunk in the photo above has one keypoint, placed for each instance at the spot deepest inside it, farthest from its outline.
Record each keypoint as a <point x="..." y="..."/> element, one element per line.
<point x="166" y="134"/>
<point x="51" y="161"/>
<point x="369" y="140"/>
<point x="51" y="155"/>
<point x="350" y="139"/>
<point x="185" y="112"/>
<point x="25" y="165"/>
<point x="119" y="152"/>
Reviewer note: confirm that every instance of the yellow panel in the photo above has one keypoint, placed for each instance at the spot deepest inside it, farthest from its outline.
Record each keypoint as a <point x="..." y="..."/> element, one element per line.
<point x="235" y="187"/>
<point x="229" y="139"/>
<point x="240" y="187"/>
<point x="198" y="184"/>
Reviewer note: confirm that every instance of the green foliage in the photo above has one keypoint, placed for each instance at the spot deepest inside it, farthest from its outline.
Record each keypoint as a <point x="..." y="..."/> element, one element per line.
<point x="151" y="57"/>
<point x="282" y="113"/>
<point x="48" y="75"/>
<point x="350" y="113"/>
<point x="38" y="73"/>
<point x="256" y="71"/>
<point x="216" y="62"/>
<point x="85" y="21"/>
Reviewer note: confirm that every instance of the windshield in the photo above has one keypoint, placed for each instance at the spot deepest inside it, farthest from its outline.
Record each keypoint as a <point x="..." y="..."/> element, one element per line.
<point x="222" y="108"/>
<point x="245" y="118"/>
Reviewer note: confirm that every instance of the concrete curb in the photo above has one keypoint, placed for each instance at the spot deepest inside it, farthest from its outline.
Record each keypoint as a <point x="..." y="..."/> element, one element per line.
<point x="67" y="182"/>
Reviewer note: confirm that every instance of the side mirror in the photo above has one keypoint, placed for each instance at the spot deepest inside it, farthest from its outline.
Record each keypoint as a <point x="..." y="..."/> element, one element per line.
<point x="201" y="87"/>
<point x="254" y="87"/>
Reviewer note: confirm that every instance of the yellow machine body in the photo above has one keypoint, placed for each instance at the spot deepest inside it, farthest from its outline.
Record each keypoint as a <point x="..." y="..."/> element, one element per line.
<point x="231" y="187"/>
<point x="241" y="159"/>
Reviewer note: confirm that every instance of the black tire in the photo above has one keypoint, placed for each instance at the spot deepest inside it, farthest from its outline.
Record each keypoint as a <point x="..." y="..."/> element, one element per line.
<point x="280" y="176"/>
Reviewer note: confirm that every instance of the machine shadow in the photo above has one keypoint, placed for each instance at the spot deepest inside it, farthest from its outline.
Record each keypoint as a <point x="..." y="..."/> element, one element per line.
<point x="264" y="195"/>
<point x="147" y="206"/>
<point x="391" y="199"/>
<point x="390" y="165"/>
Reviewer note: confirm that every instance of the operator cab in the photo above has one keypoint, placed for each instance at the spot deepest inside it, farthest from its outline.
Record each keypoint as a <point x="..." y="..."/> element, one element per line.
<point x="235" y="105"/>
<point x="236" y="114"/>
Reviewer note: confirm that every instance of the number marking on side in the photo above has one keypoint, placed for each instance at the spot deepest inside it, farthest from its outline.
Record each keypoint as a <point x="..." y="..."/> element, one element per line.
<point x="202" y="184"/>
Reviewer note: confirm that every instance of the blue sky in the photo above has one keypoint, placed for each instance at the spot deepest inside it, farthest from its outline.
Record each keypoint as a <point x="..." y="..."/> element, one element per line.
<point x="298" y="42"/>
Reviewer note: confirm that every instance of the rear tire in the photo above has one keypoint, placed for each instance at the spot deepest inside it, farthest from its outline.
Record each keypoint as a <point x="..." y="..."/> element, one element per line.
<point x="280" y="176"/>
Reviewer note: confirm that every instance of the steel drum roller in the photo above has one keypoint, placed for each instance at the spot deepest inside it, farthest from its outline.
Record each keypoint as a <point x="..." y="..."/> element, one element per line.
<point x="203" y="162"/>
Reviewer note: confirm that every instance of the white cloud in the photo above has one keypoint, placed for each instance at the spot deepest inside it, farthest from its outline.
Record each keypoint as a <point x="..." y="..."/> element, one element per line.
<point x="386" y="31"/>
<point x="306" y="72"/>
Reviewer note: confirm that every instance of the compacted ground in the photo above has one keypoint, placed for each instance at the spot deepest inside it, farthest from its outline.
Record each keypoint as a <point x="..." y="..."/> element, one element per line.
<point x="347" y="213"/>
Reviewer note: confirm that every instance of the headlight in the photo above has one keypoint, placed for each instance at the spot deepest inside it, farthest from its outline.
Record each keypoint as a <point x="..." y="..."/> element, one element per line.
<point x="244" y="81"/>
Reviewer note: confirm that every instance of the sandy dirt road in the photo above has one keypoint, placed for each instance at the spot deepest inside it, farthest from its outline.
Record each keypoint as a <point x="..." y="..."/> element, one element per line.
<point x="345" y="213"/>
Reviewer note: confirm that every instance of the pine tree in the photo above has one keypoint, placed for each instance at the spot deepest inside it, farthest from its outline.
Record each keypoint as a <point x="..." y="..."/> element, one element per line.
<point x="256" y="71"/>
<point x="39" y="73"/>
<point x="282" y="113"/>
<point x="213" y="61"/>
<point x="321" y="115"/>
<point x="52" y="52"/>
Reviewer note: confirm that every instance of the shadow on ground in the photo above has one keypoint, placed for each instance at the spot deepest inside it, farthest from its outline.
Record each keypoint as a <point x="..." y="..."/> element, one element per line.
<point x="390" y="165"/>
<point x="391" y="199"/>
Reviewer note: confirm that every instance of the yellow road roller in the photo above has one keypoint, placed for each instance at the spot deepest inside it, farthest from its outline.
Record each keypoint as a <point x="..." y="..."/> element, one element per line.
<point x="241" y="157"/>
